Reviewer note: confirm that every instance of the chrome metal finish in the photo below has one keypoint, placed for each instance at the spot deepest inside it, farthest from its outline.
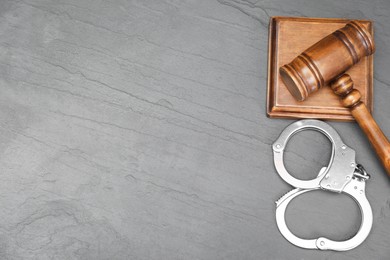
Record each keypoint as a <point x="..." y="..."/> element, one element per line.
<point x="341" y="175"/>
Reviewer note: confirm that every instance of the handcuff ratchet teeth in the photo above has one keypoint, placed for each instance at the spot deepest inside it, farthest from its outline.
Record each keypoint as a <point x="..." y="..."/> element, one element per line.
<point x="342" y="175"/>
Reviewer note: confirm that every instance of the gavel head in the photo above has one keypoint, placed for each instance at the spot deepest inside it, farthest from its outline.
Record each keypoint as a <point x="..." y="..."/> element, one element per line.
<point x="327" y="59"/>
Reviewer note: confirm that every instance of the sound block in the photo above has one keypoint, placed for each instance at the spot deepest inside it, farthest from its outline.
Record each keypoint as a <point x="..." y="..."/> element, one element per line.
<point x="290" y="36"/>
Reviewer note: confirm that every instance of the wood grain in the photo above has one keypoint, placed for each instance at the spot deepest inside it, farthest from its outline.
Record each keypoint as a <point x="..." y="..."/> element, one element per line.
<point x="288" y="37"/>
<point x="351" y="99"/>
<point x="324" y="61"/>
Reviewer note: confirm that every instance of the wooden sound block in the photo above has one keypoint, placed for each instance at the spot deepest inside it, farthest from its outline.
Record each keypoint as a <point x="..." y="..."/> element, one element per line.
<point x="290" y="36"/>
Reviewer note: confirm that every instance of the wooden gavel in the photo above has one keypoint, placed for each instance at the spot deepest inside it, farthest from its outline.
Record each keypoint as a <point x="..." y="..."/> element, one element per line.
<point x="325" y="63"/>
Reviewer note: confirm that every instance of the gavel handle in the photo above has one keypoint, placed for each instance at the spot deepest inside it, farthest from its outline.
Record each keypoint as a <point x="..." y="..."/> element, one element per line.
<point x="350" y="98"/>
<point x="374" y="134"/>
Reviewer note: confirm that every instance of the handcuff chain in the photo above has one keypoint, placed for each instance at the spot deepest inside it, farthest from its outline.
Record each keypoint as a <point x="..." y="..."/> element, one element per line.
<point x="361" y="173"/>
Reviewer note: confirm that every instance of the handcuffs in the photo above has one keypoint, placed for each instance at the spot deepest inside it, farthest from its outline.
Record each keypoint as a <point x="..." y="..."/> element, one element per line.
<point x="342" y="175"/>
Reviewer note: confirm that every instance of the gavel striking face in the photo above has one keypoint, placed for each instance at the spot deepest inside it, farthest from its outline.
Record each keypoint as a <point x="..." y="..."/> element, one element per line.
<point x="325" y="63"/>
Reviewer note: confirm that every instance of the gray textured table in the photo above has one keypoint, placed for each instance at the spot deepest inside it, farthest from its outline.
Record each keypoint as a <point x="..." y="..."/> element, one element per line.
<point x="137" y="130"/>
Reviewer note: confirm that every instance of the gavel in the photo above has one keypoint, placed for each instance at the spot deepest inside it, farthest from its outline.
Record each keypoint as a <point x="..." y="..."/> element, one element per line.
<point x="325" y="63"/>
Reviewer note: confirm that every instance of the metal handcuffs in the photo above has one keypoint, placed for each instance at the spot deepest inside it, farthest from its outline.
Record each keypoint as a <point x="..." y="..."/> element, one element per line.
<point x="341" y="175"/>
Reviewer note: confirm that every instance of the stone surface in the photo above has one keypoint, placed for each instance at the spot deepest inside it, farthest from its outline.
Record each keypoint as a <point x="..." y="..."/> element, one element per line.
<point x="137" y="130"/>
